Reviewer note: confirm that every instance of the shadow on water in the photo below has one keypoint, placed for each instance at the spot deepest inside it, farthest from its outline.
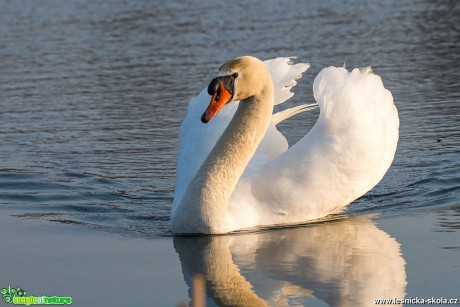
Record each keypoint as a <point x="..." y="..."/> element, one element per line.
<point x="349" y="262"/>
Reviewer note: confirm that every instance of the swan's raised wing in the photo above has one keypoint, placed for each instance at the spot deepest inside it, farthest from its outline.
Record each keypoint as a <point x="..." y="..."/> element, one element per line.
<point x="197" y="139"/>
<point x="284" y="75"/>
<point x="344" y="155"/>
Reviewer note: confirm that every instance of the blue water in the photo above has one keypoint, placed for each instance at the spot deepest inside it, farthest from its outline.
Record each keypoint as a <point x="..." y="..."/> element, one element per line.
<point x="92" y="94"/>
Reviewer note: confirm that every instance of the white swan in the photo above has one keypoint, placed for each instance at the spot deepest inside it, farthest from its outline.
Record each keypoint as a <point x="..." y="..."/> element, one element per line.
<point x="236" y="172"/>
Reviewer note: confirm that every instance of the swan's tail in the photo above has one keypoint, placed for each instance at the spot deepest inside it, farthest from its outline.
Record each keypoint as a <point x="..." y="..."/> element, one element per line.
<point x="285" y="114"/>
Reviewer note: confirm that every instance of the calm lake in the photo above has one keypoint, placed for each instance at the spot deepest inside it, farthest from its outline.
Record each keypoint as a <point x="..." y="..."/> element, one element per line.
<point x="92" y="94"/>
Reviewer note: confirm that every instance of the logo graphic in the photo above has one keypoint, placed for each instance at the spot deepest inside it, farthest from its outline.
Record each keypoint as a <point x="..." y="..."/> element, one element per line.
<point x="17" y="296"/>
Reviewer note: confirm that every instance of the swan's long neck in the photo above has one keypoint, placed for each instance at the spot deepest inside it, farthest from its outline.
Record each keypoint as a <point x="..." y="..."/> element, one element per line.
<point x="208" y="194"/>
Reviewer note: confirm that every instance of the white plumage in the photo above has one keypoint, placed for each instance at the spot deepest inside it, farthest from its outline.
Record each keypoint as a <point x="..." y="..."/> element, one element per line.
<point x="344" y="155"/>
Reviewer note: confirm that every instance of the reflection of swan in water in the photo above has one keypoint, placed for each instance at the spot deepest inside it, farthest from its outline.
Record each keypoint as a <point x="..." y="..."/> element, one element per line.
<point x="349" y="262"/>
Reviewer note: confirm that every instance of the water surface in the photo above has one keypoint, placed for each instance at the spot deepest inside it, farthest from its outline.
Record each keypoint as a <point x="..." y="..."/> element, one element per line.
<point x="92" y="94"/>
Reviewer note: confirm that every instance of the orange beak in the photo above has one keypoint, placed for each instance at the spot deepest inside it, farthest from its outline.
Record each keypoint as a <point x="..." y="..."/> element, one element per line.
<point x="218" y="100"/>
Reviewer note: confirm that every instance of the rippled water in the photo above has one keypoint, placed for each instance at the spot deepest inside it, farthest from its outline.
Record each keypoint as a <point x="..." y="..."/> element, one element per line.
<point x="92" y="94"/>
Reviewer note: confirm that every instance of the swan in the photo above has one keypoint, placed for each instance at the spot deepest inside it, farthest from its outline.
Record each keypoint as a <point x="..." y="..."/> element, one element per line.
<point x="235" y="170"/>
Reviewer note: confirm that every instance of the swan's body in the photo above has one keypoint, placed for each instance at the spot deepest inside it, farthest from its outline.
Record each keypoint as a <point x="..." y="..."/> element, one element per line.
<point x="236" y="172"/>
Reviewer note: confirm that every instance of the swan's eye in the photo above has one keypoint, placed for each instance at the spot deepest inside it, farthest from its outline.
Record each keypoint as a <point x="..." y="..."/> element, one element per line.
<point x="217" y="95"/>
<point x="235" y="75"/>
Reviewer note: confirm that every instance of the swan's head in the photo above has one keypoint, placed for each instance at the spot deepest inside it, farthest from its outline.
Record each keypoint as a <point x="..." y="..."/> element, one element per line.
<point x="237" y="79"/>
